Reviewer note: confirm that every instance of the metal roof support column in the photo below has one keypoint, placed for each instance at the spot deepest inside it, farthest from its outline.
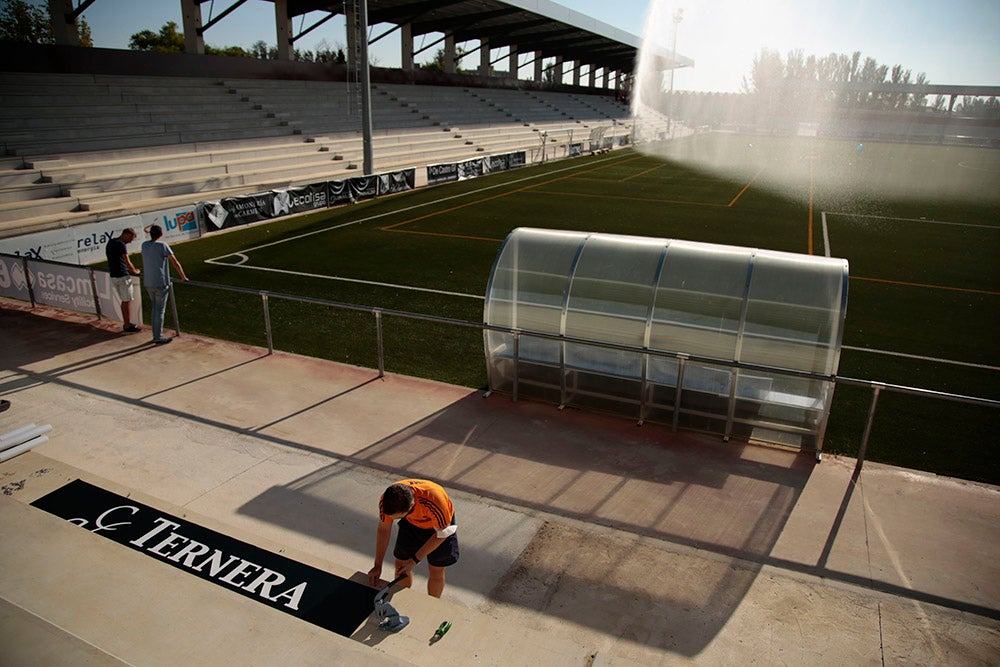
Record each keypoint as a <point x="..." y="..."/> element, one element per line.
<point x="449" y="53"/>
<point x="558" y="78"/>
<point x="194" y="41"/>
<point x="283" y="25"/>
<point x="592" y="77"/>
<point x="64" y="28"/>
<point x="406" y="47"/>
<point x="576" y="72"/>
<point x="484" y="57"/>
<point x="539" y="61"/>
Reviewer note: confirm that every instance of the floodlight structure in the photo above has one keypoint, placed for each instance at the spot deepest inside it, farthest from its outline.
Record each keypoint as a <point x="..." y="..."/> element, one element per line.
<point x="729" y="340"/>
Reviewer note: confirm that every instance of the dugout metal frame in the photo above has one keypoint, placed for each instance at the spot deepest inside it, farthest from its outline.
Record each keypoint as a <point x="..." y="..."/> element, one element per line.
<point x="728" y="340"/>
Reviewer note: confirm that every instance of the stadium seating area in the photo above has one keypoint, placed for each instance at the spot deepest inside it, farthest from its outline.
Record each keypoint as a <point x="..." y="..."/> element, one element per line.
<point x="85" y="147"/>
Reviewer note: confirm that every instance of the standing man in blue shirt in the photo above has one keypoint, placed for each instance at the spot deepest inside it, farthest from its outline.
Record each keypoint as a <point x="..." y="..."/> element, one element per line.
<point x="156" y="260"/>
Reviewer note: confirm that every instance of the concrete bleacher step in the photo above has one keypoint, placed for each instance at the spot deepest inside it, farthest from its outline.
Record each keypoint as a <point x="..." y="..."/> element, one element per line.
<point x="23" y="210"/>
<point x="32" y="192"/>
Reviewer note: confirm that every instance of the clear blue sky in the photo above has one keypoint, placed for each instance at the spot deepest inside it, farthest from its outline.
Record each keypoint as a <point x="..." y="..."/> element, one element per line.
<point x="953" y="42"/>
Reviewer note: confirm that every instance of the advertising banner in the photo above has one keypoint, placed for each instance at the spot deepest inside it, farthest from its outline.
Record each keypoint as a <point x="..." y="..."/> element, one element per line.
<point x="496" y="163"/>
<point x="91" y="239"/>
<point x="339" y="193"/>
<point x="470" y="169"/>
<point x="442" y="173"/>
<point x="13" y="279"/>
<point x="58" y="245"/>
<point x="575" y="149"/>
<point x="268" y="578"/>
<point x="178" y="224"/>
<point x="298" y="200"/>
<point x="517" y="159"/>
<point x="397" y="181"/>
<point x="236" y="211"/>
<point x="363" y="187"/>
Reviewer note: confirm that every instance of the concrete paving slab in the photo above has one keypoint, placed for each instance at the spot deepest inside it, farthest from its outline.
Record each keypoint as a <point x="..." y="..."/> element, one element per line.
<point x="591" y="540"/>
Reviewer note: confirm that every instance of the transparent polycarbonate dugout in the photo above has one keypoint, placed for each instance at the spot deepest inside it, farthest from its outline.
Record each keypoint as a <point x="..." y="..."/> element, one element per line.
<point x="737" y="341"/>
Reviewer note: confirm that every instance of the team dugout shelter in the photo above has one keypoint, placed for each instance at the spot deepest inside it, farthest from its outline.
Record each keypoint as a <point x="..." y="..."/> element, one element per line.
<point x="728" y="340"/>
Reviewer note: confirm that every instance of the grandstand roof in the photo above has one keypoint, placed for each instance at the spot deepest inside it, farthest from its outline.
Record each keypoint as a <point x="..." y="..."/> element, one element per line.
<point x="531" y="25"/>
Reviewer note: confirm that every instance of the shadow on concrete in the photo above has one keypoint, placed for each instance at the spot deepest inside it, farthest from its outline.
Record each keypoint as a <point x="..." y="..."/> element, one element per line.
<point x="613" y="503"/>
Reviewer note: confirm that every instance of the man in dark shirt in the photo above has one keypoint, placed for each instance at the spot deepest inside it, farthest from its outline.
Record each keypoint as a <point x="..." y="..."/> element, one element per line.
<point x="122" y="270"/>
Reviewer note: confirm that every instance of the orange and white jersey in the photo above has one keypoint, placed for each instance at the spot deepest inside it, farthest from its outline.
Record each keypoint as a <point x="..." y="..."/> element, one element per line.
<point x="432" y="507"/>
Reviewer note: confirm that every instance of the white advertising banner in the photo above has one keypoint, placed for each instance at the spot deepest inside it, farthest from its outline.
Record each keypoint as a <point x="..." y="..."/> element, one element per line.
<point x="84" y="244"/>
<point x="66" y="286"/>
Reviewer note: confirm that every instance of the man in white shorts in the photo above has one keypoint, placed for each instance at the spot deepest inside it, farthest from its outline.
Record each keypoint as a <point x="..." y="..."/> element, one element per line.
<point x="122" y="270"/>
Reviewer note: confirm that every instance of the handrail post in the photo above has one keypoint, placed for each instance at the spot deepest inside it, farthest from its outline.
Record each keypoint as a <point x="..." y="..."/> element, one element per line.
<point x="877" y="387"/>
<point x="681" y="363"/>
<point x="93" y="288"/>
<point x="517" y="365"/>
<point x="28" y="281"/>
<point x="378" y="336"/>
<point x="172" y="295"/>
<point x="267" y="322"/>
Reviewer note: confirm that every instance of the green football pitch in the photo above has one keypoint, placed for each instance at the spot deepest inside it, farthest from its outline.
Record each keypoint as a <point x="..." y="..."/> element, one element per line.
<point x="920" y="226"/>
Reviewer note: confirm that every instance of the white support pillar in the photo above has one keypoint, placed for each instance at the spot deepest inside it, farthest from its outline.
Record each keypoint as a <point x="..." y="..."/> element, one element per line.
<point x="592" y="77"/>
<point x="484" y="57"/>
<point x="577" y="65"/>
<point x="65" y="32"/>
<point x="406" y="46"/>
<point x="283" y="26"/>
<point x="559" y="67"/>
<point x="191" y="16"/>
<point x="512" y="60"/>
<point x="449" y="53"/>
<point x="539" y="61"/>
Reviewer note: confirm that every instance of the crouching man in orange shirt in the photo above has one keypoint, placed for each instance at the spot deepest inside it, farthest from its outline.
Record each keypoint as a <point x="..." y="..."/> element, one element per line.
<point x="426" y="530"/>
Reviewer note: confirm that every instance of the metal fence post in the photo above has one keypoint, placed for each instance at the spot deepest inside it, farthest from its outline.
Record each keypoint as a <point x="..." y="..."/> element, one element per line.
<point x="877" y="387"/>
<point x="517" y="369"/>
<point x="172" y="295"/>
<point x="93" y="288"/>
<point x="681" y="364"/>
<point x="29" y="282"/>
<point x="267" y="322"/>
<point x="378" y="336"/>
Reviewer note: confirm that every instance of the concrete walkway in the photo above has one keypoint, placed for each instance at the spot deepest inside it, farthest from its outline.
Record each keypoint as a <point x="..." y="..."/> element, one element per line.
<point x="585" y="539"/>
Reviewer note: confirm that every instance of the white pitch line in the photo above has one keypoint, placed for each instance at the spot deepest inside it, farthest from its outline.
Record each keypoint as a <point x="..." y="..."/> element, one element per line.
<point x="356" y="280"/>
<point x="921" y="358"/>
<point x="214" y="260"/>
<point x="932" y="222"/>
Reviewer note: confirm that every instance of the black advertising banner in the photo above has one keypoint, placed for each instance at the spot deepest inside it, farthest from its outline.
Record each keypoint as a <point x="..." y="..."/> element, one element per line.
<point x="315" y="596"/>
<point x="470" y="168"/>
<point x="363" y="187"/>
<point x="397" y="181"/>
<point x="575" y="149"/>
<point x="442" y="173"/>
<point x="236" y="211"/>
<point x="339" y="192"/>
<point x="518" y="159"/>
<point x="497" y="163"/>
<point x="298" y="200"/>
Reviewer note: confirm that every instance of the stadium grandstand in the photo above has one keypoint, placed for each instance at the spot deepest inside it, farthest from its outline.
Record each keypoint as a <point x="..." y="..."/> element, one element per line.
<point x="92" y="134"/>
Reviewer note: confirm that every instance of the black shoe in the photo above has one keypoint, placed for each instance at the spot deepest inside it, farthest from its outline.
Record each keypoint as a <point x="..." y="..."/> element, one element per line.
<point x="131" y="329"/>
<point x="4" y="404"/>
<point x="162" y="341"/>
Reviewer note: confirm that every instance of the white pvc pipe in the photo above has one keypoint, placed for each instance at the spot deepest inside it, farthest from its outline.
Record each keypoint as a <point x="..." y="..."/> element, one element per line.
<point x="25" y="436"/>
<point x="7" y="437"/>
<point x="21" y="449"/>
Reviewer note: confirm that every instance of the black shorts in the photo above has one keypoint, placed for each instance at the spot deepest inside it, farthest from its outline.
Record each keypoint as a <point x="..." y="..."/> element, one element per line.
<point x="409" y="539"/>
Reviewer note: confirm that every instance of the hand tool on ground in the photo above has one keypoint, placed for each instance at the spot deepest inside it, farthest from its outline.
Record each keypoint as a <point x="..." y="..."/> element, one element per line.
<point x="388" y="618"/>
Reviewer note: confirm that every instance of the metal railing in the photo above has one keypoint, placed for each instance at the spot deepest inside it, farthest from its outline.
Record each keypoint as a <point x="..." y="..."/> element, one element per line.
<point x="682" y="359"/>
<point x="378" y="313"/>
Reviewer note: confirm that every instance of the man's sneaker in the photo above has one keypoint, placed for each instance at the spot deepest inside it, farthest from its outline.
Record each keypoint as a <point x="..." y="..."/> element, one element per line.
<point x="162" y="341"/>
<point x="131" y="329"/>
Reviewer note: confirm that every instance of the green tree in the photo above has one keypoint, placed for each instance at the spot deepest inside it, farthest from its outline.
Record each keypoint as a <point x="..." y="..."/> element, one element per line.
<point x="24" y="23"/>
<point x="168" y="40"/>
